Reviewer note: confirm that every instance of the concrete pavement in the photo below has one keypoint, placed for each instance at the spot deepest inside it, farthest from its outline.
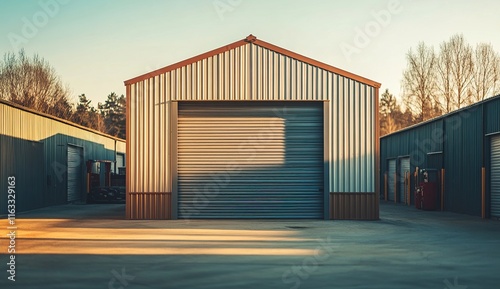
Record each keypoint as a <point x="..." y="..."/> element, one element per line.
<point x="92" y="246"/>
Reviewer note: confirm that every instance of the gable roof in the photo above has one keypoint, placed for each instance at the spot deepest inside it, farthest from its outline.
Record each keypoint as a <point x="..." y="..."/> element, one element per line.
<point x="252" y="39"/>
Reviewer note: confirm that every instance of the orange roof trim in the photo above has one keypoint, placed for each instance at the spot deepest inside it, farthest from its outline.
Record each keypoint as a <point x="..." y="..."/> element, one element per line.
<point x="254" y="40"/>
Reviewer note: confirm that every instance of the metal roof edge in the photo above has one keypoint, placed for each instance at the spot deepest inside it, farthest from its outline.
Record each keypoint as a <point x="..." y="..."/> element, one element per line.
<point x="254" y="40"/>
<point x="186" y="62"/>
<point x="42" y="114"/>
<point x="317" y="63"/>
<point x="492" y="98"/>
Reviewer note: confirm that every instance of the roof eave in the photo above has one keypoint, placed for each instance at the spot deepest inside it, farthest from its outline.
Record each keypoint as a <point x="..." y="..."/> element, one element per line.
<point x="186" y="62"/>
<point x="58" y="119"/>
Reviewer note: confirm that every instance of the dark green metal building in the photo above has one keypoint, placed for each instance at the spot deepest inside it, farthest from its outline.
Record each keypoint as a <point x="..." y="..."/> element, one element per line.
<point x="463" y="145"/>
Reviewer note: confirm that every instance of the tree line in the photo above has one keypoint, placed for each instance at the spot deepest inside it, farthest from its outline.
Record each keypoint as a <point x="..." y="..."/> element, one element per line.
<point x="433" y="83"/>
<point x="438" y="82"/>
<point x="33" y="83"/>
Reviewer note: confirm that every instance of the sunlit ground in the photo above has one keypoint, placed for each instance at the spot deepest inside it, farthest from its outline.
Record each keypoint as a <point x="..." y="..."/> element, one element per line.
<point x="66" y="236"/>
<point x="87" y="246"/>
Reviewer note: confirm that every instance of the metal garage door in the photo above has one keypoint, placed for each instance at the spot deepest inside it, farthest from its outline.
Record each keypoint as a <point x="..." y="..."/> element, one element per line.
<point x="75" y="156"/>
<point x="250" y="160"/>
<point x="120" y="162"/>
<point x="495" y="177"/>
<point x="391" y="179"/>
<point x="404" y="169"/>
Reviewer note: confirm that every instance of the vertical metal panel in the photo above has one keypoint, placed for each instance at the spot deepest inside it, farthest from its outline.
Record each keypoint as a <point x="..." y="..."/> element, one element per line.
<point x="153" y="206"/>
<point x="22" y="159"/>
<point x="391" y="177"/>
<point x="492" y="115"/>
<point x="435" y="161"/>
<point x="251" y="72"/>
<point x="463" y="161"/>
<point x="495" y="177"/>
<point x="250" y="160"/>
<point x="353" y="136"/>
<point x="404" y="169"/>
<point x="353" y="206"/>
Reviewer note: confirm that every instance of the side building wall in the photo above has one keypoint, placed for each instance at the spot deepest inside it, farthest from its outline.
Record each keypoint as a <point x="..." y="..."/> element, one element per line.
<point x="459" y="143"/>
<point x="34" y="150"/>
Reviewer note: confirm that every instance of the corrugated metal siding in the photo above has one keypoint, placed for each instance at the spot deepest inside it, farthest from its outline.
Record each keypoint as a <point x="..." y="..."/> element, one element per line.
<point x="492" y="116"/>
<point x="252" y="73"/>
<point x="252" y="160"/>
<point x="22" y="159"/>
<point x="415" y="143"/>
<point x="148" y="165"/>
<point x="349" y="206"/>
<point x="495" y="177"/>
<point x="153" y="206"/>
<point x="352" y="136"/>
<point x="435" y="161"/>
<point x="463" y="160"/>
<point x="50" y="180"/>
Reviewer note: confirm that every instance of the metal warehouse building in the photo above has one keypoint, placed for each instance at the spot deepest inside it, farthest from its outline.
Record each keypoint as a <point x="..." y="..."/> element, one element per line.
<point x="464" y="146"/>
<point x="251" y="130"/>
<point x="47" y="155"/>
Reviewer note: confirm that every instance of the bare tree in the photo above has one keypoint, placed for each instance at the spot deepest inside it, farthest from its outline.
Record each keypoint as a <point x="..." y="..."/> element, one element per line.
<point x="462" y="69"/>
<point x="419" y="82"/>
<point x="486" y="76"/>
<point x="33" y="83"/>
<point x="444" y="97"/>
<point x="458" y="76"/>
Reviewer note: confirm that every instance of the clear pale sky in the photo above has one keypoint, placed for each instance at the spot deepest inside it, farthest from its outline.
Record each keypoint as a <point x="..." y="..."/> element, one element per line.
<point x="95" y="45"/>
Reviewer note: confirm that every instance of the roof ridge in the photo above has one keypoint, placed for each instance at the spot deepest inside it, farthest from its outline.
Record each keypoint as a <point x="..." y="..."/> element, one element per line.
<point x="251" y="39"/>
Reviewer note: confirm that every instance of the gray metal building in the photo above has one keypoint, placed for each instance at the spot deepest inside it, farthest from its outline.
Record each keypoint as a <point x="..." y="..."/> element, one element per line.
<point x="252" y="130"/>
<point x="463" y="145"/>
<point x="47" y="156"/>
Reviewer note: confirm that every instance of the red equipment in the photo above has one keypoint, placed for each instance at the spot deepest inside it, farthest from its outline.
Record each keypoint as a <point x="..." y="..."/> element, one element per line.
<point x="426" y="192"/>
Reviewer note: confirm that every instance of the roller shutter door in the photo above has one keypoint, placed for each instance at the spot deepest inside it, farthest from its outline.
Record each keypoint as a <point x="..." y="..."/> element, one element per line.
<point x="495" y="177"/>
<point x="391" y="179"/>
<point x="404" y="169"/>
<point x="250" y="160"/>
<point x="75" y="156"/>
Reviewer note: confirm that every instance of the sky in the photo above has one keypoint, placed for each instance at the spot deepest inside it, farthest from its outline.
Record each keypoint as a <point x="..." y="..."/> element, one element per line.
<point x="95" y="45"/>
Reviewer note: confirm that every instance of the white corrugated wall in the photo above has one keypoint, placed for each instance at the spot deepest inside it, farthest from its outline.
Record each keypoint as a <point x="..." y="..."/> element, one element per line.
<point x="253" y="73"/>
